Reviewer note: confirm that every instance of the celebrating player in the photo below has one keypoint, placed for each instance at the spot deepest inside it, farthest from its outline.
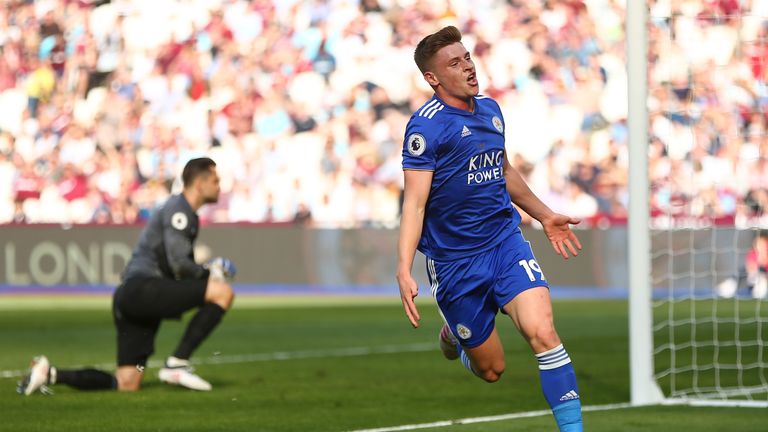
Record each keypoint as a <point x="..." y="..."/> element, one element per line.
<point x="457" y="210"/>
<point x="161" y="281"/>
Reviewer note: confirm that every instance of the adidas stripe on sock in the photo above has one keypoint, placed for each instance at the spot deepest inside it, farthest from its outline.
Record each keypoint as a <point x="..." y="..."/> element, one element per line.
<point x="553" y="358"/>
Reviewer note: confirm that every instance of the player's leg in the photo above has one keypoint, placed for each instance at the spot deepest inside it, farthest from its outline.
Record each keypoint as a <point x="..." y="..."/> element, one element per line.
<point x="137" y="320"/>
<point x="487" y="359"/>
<point x="135" y="343"/>
<point x="214" y="297"/>
<point x="522" y="292"/>
<point x="531" y="312"/>
<point x="217" y="300"/>
<point x="129" y="378"/>
<point x="466" y="303"/>
<point x="41" y="375"/>
<point x="139" y="308"/>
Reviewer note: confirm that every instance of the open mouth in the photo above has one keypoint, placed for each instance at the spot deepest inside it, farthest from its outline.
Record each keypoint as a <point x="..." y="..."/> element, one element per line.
<point x="472" y="79"/>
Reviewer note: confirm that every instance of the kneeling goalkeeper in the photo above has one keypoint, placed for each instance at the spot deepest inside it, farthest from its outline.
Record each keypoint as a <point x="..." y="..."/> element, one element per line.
<point x="161" y="281"/>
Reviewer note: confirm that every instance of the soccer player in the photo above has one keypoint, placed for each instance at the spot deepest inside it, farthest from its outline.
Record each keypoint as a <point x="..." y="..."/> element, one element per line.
<point x="457" y="210"/>
<point x="161" y="281"/>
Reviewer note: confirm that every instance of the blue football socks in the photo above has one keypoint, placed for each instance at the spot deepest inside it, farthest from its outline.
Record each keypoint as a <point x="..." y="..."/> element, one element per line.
<point x="558" y="382"/>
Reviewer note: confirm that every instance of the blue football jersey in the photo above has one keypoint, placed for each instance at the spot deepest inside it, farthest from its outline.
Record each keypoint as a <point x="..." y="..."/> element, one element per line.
<point x="469" y="209"/>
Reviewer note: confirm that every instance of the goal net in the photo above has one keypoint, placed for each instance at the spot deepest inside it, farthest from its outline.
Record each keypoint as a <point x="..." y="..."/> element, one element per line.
<point x="708" y="174"/>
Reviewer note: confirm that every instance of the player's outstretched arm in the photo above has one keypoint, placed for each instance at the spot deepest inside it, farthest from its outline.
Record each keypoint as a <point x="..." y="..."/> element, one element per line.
<point x="556" y="226"/>
<point x="416" y="192"/>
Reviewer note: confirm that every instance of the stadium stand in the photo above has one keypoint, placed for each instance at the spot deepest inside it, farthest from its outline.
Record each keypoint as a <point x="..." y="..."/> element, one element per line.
<point x="303" y="104"/>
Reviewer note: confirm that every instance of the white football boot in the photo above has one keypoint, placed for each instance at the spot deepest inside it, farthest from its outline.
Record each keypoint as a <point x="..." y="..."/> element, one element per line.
<point x="36" y="378"/>
<point x="448" y="343"/>
<point x="179" y="372"/>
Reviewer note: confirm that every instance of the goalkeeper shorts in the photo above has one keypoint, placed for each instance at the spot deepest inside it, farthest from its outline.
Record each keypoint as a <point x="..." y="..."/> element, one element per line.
<point x="140" y="304"/>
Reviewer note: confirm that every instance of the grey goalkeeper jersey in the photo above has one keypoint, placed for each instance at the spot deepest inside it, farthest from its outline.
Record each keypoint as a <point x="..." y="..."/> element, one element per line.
<point x="165" y="248"/>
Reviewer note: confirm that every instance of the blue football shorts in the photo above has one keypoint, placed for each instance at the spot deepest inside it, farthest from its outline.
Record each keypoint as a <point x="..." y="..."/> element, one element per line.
<point x="471" y="291"/>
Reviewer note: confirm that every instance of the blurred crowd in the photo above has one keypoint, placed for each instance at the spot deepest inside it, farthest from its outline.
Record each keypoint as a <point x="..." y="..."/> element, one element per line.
<point x="303" y="104"/>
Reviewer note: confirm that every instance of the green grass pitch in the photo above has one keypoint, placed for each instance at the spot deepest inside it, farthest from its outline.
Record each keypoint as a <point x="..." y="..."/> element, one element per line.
<point x="326" y="364"/>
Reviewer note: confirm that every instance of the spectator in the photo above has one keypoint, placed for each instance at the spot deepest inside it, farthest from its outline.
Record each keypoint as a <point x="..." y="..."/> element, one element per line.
<point x="320" y="92"/>
<point x="26" y="186"/>
<point x="40" y="84"/>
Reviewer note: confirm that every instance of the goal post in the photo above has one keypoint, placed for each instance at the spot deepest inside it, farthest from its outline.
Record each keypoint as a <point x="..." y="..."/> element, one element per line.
<point x="691" y="341"/>
<point x="644" y="390"/>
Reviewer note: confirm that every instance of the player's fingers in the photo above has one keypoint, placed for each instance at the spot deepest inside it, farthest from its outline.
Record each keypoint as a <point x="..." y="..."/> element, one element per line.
<point x="574" y="221"/>
<point x="411" y="312"/>
<point x="570" y="247"/>
<point x="558" y="250"/>
<point x="414" y="293"/>
<point x="576" y="240"/>
<point x="414" y="310"/>
<point x="407" y="310"/>
<point x="415" y="314"/>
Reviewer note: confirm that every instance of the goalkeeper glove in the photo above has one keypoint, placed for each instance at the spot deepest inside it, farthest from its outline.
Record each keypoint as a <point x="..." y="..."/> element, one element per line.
<point x="222" y="268"/>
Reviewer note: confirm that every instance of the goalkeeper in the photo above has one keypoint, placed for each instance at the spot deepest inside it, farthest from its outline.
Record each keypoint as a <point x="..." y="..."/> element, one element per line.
<point x="161" y="281"/>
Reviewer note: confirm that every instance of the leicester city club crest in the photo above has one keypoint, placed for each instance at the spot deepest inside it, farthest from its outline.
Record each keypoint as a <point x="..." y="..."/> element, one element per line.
<point x="463" y="331"/>
<point x="416" y="144"/>
<point x="497" y="124"/>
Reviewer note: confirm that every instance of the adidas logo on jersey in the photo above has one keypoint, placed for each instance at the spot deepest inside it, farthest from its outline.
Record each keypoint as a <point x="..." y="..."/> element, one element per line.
<point x="465" y="132"/>
<point x="571" y="395"/>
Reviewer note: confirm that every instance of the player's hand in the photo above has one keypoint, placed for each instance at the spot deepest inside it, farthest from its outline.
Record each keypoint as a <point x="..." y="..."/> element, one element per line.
<point x="222" y="268"/>
<point x="408" y="292"/>
<point x="558" y="230"/>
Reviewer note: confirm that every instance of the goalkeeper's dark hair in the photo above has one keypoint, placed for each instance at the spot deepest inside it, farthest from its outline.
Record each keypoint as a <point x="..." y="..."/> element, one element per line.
<point x="431" y="44"/>
<point x="195" y="168"/>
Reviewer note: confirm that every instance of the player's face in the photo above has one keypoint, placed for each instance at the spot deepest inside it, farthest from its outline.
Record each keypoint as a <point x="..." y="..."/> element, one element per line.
<point x="209" y="187"/>
<point x="453" y="71"/>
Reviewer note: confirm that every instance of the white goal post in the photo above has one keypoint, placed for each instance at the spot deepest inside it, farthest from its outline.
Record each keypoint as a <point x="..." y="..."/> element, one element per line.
<point x="644" y="390"/>
<point x="747" y="385"/>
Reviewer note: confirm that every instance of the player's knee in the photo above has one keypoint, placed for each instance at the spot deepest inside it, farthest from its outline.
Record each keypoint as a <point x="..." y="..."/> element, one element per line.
<point x="545" y="338"/>
<point x="128" y="386"/>
<point x="492" y="372"/>
<point x="220" y="293"/>
<point x="492" y="375"/>
<point x="127" y="381"/>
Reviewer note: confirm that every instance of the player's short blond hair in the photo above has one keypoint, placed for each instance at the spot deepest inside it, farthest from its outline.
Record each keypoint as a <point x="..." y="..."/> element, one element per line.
<point x="431" y="44"/>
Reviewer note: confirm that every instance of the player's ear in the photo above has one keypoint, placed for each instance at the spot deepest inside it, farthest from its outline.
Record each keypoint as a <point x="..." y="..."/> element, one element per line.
<point x="198" y="183"/>
<point x="431" y="79"/>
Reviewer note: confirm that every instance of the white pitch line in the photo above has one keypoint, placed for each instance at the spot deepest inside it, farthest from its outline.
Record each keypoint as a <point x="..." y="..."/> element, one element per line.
<point x="470" y="420"/>
<point x="273" y="356"/>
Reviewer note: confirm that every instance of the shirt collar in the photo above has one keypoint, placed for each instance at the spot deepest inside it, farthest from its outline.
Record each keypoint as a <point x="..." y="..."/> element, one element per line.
<point x="458" y="110"/>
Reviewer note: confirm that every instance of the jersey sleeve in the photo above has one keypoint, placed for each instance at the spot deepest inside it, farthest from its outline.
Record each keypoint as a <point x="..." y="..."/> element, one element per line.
<point x="178" y="246"/>
<point x="420" y="145"/>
